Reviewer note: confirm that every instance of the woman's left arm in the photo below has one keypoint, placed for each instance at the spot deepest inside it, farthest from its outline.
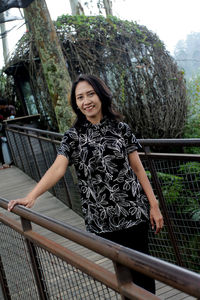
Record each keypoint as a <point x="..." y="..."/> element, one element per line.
<point x="155" y="214"/>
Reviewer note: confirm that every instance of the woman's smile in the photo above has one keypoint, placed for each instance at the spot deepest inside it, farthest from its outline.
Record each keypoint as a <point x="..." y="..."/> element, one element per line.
<point x="89" y="108"/>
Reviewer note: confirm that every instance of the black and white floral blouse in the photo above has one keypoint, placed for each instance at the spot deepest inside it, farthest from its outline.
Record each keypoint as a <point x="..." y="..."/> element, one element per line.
<point x="111" y="195"/>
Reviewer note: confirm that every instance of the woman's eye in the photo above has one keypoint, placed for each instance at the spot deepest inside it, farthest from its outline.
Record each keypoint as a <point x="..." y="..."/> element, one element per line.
<point x="79" y="98"/>
<point x="91" y="94"/>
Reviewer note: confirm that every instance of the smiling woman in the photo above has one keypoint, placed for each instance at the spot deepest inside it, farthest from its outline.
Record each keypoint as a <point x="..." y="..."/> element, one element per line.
<point x="88" y="102"/>
<point x="116" y="197"/>
<point x="91" y="100"/>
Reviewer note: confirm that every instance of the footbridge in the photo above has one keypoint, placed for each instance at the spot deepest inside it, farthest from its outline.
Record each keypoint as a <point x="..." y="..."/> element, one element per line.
<point x="45" y="252"/>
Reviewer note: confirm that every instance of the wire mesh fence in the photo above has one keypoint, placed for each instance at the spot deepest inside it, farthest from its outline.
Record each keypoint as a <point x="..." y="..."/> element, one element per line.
<point x="176" y="182"/>
<point x="64" y="281"/>
<point x="16" y="266"/>
<point x="180" y="185"/>
<point x="34" y="267"/>
<point x="60" y="280"/>
<point x="34" y="155"/>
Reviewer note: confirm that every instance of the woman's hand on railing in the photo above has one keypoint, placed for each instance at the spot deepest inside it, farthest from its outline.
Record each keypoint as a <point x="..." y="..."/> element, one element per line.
<point x="27" y="202"/>
<point x="50" y="178"/>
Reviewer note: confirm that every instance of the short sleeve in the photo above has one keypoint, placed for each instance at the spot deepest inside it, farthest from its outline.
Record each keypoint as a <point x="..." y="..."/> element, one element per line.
<point x="131" y="142"/>
<point x="68" y="145"/>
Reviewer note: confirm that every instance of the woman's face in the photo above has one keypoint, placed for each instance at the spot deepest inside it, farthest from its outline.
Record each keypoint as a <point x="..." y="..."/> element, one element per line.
<point x="88" y="102"/>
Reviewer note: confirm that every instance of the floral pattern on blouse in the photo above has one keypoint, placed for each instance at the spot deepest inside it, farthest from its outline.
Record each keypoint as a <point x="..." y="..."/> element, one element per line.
<point x="111" y="195"/>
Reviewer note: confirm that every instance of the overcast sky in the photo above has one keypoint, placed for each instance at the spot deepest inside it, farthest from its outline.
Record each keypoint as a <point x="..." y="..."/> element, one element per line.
<point x="171" y="20"/>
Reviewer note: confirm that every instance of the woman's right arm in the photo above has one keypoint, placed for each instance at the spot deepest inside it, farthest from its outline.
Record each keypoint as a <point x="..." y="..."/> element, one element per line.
<point x="50" y="178"/>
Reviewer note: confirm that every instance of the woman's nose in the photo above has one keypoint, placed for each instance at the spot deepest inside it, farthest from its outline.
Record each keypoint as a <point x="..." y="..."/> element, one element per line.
<point x="86" y="100"/>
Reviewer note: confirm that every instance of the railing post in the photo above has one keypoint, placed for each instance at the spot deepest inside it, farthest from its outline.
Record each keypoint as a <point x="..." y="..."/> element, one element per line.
<point x="25" y="154"/>
<point x="3" y="282"/>
<point x="124" y="276"/>
<point x="35" y="160"/>
<point x="42" y="289"/>
<point x="157" y="186"/>
<point x="10" y="145"/>
<point x="19" y="154"/>
<point x="45" y="161"/>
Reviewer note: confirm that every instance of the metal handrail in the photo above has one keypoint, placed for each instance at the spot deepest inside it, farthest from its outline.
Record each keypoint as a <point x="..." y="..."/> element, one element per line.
<point x="144" y="142"/>
<point x="168" y="273"/>
<point x="163" y="142"/>
<point x="34" y="150"/>
<point x="23" y="128"/>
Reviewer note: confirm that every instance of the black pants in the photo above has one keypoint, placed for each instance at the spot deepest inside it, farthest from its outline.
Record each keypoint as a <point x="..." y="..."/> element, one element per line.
<point x="135" y="238"/>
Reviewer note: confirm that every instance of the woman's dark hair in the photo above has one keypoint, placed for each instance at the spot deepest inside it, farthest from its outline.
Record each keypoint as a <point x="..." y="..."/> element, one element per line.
<point x="103" y="93"/>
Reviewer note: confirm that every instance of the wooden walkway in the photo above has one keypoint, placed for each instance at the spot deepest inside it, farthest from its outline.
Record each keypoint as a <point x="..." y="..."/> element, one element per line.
<point x="15" y="184"/>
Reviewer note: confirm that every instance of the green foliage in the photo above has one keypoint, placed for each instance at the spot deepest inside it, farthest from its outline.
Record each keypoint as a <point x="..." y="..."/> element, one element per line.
<point x="191" y="253"/>
<point x="182" y="191"/>
<point x="182" y="198"/>
<point x="2" y="84"/>
<point x="6" y="87"/>
<point x="191" y="172"/>
<point x="192" y="128"/>
<point x="193" y="207"/>
<point x="190" y="168"/>
<point x="172" y="186"/>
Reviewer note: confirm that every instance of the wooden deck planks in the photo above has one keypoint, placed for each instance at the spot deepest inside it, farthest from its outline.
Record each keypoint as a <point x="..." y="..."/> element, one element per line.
<point x="15" y="184"/>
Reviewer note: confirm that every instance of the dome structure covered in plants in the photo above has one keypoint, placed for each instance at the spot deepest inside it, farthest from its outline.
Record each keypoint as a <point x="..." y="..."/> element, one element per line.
<point x="148" y="89"/>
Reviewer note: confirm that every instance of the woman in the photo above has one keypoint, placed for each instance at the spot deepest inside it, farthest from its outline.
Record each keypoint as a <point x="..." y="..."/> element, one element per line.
<point x="117" y="198"/>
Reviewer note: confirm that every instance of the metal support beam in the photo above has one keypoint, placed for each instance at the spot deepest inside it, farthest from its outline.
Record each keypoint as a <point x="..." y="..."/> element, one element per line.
<point x="42" y="289"/>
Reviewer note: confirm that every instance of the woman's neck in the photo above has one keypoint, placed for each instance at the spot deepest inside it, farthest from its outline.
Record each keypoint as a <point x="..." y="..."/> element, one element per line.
<point x="96" y="120"/>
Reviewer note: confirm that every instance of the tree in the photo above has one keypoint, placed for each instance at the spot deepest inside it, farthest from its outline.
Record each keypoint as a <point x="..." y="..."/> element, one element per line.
<point x="76" y="7"/>
<point x="4" y="38"/>
<point x="108" y="7"/>
<point x="187" y="54"/>
<point x="102" y="5"/>
<point x="52" y="60"/>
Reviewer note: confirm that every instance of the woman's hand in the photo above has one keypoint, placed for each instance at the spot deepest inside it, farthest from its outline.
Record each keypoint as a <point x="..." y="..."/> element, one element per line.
<point x="50" y="178"/>
<point x="156" y="218"/>
<point x="27" y="202"/>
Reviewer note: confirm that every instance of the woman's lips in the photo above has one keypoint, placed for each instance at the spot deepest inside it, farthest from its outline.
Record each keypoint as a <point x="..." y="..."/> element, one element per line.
<point x="88" y="108"/>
